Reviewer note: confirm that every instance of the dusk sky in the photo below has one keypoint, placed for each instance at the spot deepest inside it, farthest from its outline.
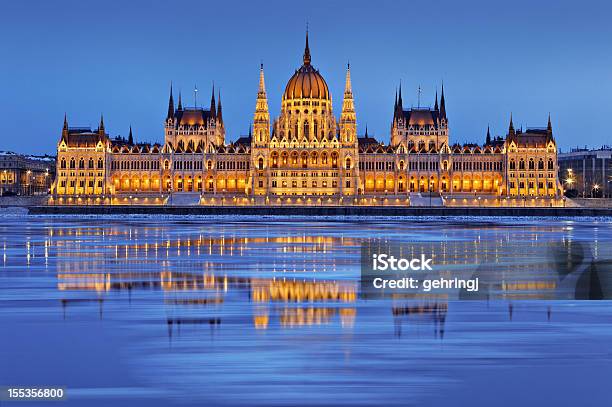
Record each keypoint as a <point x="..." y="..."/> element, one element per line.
<point x="118" y="58"/>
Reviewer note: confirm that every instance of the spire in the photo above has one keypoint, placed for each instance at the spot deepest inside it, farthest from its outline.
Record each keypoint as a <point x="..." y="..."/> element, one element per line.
<point x="65" y="128"/>
<point x="511" y="127"/>
<point x="213" y="111"/>
<point x="549" y="126"/>
<point x="101" y="126"/>
<point x="219" y="111"/>
<point x="347" y="85"/>
<point x="348" y="118"/>
<point x="436" y="104"/>
<point x="180" y="103"/>
<point x="488" y="140"/>
<point x="400" y="104"/>
<point x="366" y="133"/>
<point x="170" y="104"/>
<point x="262" y="82"/>
<point x="307" y="50"/>
<point x="130" y="138"/>
<point x="395" y="103"/>
<point x="442" y="103"/>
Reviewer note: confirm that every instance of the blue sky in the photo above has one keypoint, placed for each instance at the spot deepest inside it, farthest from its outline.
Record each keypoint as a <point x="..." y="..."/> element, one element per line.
<point x="118" y="58"/>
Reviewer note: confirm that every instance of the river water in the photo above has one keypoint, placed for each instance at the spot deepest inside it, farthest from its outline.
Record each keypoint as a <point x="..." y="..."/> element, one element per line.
<point x="268" y="312"/>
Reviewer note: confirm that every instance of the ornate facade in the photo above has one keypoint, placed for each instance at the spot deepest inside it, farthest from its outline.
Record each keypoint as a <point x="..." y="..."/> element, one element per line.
<point x="307" y="156"/>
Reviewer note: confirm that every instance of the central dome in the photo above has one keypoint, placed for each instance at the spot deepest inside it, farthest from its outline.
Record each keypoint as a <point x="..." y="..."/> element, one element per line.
<point x="306" y="82"/>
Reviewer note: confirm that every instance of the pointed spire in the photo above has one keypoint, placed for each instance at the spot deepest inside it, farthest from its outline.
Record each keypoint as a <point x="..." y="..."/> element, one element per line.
<point x="436" y="104"/>
<point x="366" y="133"/>
<point x="400" y="104"/>
<point x="307" y="50"/>
<point x="170" y="104"/>
<point x="511" y="127"/>
<point x="549" y="126"/>
<point x="347" y="85"/>
<point x="219" y="109"/>
<point x="213" y="110"/>
<point x="65" y="127"/>
<point x="130" y="137"/>
<point x="180" y="103"/>
<point x="395" y="103"/>
<point x="488" y="140"/>
<point x="101" y="126"/>
<point x="442" y="103"/>
<point x="262" y="82"/>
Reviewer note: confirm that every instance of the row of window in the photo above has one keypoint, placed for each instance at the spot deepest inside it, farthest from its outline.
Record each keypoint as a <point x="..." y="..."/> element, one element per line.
<point x="531" y="184"/>
<point x="531" y="175"/>
<point x="305" y="174"/>
<point x="72" y="184"/>
<point x="90" y="163"/>
<point x="304" y="184"/>
<point x="477" y="166"/>
<point x="551" y="164"/>
<point x="135" y="165"/>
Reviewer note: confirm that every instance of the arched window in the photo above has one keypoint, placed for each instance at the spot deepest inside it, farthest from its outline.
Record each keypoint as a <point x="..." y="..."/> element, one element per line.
<point x="100" y="163"/>
<point x="260" y="163"/>
<point x="90" y="163"/>
<point x="541" y="164"/>
<point x="531" y="164"/>
<point x="209" y="165"/>
<point x="512" y="165"/>
<point x="63" y="164"/>
<point x="551" y="164"/>
<point x="348" y="163"/>
<point x="522" y="164"/>
<point x="166" y="165"/>
<point x="334" y="160"/>
<point x="306" y="128"/>
<point x="81" y="163"/>
<point x="432" y="146"/>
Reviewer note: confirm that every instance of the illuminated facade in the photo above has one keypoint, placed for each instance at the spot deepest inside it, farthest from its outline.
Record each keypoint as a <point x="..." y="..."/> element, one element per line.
<point x="306" y="156"/>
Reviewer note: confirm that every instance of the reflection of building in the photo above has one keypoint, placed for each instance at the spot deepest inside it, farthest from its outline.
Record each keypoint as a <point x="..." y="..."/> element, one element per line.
<point x="25" y="175"/>
<point x="587" y="172"/>
<point x="305" y="156"/>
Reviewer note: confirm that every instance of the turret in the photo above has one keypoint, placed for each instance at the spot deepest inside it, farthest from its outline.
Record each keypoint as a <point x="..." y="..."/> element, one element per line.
<point x="442" y="104"/>
<point x="261" y="118"/>
<point x="348" y="119"/>
<point x="213" y="111"/>
<point x="130" y="137"/>
<point x="170" y="105"/>
<point x="101" y="126"/>
<point x="488" y="139"/>
<point x="219" y="110"/>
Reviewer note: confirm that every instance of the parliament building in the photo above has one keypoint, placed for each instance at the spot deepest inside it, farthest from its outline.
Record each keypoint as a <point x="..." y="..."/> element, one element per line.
<point x="306" y="156"/>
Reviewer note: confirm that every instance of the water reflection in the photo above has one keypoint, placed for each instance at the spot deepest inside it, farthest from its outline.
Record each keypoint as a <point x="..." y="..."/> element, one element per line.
<point x="198" y="309"/>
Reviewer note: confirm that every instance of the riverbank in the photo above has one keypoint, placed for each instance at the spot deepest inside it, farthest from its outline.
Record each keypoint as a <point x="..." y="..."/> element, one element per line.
<point x="316" y="211"/>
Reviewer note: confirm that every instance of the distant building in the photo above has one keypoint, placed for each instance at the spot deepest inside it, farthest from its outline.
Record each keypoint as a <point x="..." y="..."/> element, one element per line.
<point x="587" y="173"/>
<point x="25" y="174"/>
